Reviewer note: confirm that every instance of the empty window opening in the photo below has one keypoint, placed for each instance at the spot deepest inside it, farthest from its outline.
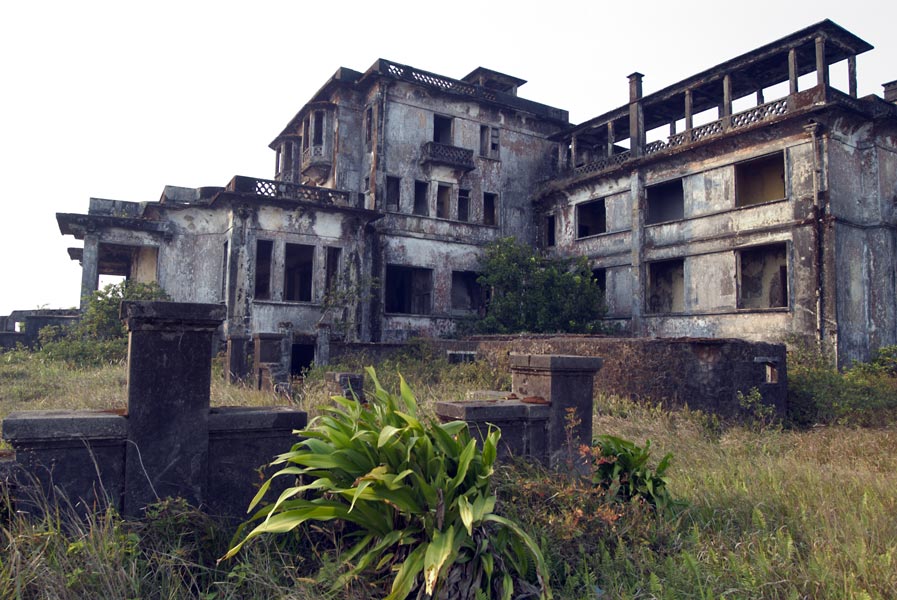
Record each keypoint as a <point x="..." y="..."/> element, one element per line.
<point x="409" y="290"/>
<point x="331" y="269"/>
<point x="442" y="129"/>
<point x="666" y="286"/>
<point x="360" y="201"/>
<point x="550" y="224"/>
<point x="393" y="192"/>
<point x="666" y="202"/>
<point x="301" y="358"/>
<point x="319" y="128"/>
<point x="591" y="218"/>
<point x="297" y="272"/>
<point x="263" y="252"/>
<point x="421" y="198"/>
<point x="760" y="180"/>
<point x="368" y="126"/>
<point x="489" y="141"/>
<point x="600" y="278"/>
<point x="489" y="216"/>
<point x="464" y="205"/>
<point x="443" y="201"/>
<point x="287" y="157"/>
<point x="467" y="294"/>
<point x="763" y="277"/>
<point x="772" y="373"/>
<point x="306" y="127"/>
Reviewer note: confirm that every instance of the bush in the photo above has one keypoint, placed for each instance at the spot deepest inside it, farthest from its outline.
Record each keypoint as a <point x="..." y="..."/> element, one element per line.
<point x="100" y="336"/>
<point x="536" y="294"/>
<point x="621" y="467"/>
<point x="417" y="497"/>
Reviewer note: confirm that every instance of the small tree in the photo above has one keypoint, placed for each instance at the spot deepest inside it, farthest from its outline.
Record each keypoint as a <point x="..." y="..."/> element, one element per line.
<point x="533" y="293"/>
<point x="99" y="336"/>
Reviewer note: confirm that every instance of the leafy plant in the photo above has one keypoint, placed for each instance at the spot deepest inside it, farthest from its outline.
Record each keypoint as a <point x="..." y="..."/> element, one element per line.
<point x="757" y="415"/>
<point x="622" y="468"/>
<point x="533" y="293"/>
<point x="417" y="495"/>
<point x="99" y="337"/>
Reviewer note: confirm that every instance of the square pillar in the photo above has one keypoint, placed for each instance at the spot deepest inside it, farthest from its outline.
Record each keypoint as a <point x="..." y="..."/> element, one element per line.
<point x="90" y="271"/>
<point x="169" y="373"/>
<point x="565" y="382"/>
<point x="237" y="352"/>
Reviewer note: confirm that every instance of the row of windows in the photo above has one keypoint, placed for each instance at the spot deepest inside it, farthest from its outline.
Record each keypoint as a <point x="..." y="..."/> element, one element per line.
<point x="445" y="199"/>
<point x="409" y="290"/>
<point x="756" y="181"/>
<point x="761" y="273"/>
<point x="298" y="271"/>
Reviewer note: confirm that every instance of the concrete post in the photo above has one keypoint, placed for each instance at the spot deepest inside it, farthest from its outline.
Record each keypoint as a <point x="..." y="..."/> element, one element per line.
<point x="237" y="351"/>
<point x="636" y="116"/>
<point x="566" y="382"/>
<point x="821" y="64"/>
<point x="169" y="372"/>
<point x="90" y="273"/>
<point x="792" y="71"/>
<point x="322" y="345"/>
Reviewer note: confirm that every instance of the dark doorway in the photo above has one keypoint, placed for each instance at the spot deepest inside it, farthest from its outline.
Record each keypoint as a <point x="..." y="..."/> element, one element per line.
<point x="301" y="358"/>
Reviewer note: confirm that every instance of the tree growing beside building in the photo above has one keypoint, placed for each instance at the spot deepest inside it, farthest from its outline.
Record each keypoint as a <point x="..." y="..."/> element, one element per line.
<point x="533" y="293"/>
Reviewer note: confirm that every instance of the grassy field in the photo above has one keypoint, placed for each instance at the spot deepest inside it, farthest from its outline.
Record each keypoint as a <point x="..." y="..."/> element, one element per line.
<point x="764" y="512"/>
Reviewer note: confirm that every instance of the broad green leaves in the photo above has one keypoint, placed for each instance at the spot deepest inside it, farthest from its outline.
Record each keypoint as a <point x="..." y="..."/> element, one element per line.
<point x="419" y="492"/>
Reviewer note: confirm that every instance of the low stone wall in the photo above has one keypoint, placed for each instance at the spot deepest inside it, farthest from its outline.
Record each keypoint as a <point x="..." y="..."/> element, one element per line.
<point x="703" y="374"/>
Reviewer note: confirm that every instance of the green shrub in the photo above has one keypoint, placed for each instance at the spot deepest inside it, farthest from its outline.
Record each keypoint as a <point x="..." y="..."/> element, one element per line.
<point x="417" y="496"/>
<point x="622" y="468"/>
<point x="537" y="294"/>
<point x="100" y="336"/>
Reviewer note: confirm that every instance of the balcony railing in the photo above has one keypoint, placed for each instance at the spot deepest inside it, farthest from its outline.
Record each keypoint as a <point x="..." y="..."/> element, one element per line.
<point x="444" y="154"/>
<point x="288" y="191"/>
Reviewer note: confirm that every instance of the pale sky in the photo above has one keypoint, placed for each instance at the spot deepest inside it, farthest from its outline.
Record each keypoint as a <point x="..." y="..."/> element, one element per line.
<point x="118" y="99"/>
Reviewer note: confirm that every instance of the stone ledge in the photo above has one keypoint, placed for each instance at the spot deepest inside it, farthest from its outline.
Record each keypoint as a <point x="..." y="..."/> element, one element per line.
<point x="59" y="425"/>
<point x="497" y="411"/>
<point x="180" y="316"/>
<point x="229" y="419"/>
<point x="555" y="362"/>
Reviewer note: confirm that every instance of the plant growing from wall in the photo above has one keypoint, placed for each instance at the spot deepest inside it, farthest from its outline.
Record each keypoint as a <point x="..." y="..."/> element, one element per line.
<point x="418" y="496"/>
<point x="530" y="292"/>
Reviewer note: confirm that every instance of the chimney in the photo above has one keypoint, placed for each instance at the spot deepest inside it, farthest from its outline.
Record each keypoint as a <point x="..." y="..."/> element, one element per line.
<point x="890" y="91"/>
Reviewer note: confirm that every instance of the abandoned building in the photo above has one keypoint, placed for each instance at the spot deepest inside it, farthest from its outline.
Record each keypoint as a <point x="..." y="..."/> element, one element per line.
<point x="743" y="201"/>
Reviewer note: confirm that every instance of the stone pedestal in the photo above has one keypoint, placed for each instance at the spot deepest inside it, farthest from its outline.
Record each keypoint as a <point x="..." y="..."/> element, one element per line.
<point x="564" y="382"/>
<point x="169" y="373"/>
<point x="237" y="352"/>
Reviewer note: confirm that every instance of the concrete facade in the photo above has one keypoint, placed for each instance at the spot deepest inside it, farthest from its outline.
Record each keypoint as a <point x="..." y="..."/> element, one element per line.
<point x="731" y="204"/>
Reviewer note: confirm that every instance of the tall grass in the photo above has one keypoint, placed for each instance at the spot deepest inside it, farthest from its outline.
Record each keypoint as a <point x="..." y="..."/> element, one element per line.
<point x="766" y="512"/>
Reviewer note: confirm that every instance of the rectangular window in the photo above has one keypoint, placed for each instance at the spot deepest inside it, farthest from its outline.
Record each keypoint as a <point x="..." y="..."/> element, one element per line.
<point x="408" y="290"/>
<point x="489" y="141"/>
<point x="368" y="126"/>
<point x="760" y="180"/>
<point x="550" y="225"/>
<point x="319" y="128"/>
<point x="331" y="270"/>
<point x="600" y="277"/>
<point x="443" y="201"/>
<point x="489" y="202"/>
<point x="467" y="295"/>
<point x="666" y="202"/>
<point x="464" y="205"/>
<point x="591" y="218"/>
<point x="666" y="286"/>
<point x="421" y="198"/>
<point x="442" y="129"/>
<point x="297" y="272"/>
<point x="263" y="252"/>
<point x="393" y="192"/>
<point x="763" y="277"/>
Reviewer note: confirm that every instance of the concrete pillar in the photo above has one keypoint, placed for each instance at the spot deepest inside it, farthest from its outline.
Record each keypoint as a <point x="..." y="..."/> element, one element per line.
<point x="792" y="71"/>
<point x="236" y="358"/>
<point x="852" y="76"/>
<point x="821" y="64"/>
<point x="727" y="99"/>
<point x="322" y="345"/>
<point x="611" y="138"/>
<point x="169" y="373"/>
<point x="566" y="382"/>
<point x="689" y="110"/>
<point x="636" y="115"/>
<point x="90" y="268"/>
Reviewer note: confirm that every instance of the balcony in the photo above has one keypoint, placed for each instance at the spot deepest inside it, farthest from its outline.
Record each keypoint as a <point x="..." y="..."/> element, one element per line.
<point x="316" y="163"/>
<point x="446" y="155"/>
<point x="288" y="191"/>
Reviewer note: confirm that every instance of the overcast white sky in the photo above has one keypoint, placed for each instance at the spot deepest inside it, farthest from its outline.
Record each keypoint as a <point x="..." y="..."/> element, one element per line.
<point x="118" y="99"/>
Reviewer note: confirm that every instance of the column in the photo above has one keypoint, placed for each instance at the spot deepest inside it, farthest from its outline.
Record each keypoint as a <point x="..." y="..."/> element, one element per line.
<point x="727" y="99"/>
<point x="636" y="115"/>
<point x="90" y="270"/>
<point x="821" y="65"/>
<point x="792" y="71"/>
<point x="852" y="75"/>
<point x="169" y="372"/>
<point x="689" y="110"/>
